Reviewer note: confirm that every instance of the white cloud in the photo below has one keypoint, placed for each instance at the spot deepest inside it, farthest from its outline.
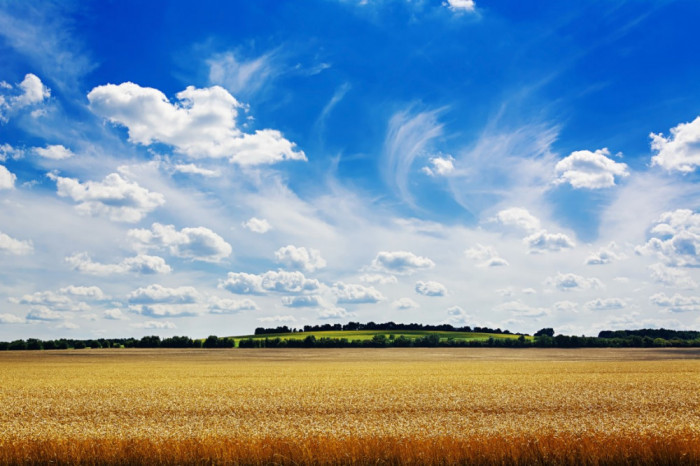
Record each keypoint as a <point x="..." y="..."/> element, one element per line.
<point x="606" y="304"/>
<point x="9" y="245"/>
<point x="155" y="325"/>
<point x="280" y="281"/>
<point x="458" y="316"/>
<point x="7" y="178"/>
<point x="404" y="304"/>
<point x="680" y="151"/>
<point x="141" y="263"/>
<point x="158" y="294"/>
<point x="544" y="241"/>
<point x="193" y="169"/>
<point x="378" y="279"/>
<point x="677" y="302"/>
<point x="672" y="277"/>
<point x="568" y="307"/>
<point x="300" y="258"/>
<point x="241" y="76"/>
<point x="198" y="243"/>
<point x="257" y="225"/>
<point x="522" y="310"/>
<point x="87" y="292"/>
<point x="430" y="288"/>
<point x="115" y="197"/>
<point x="202" y="124"/>
<point x="591" y="170"/>
<point x="60" y="301"/>
<point x="302" y="301"/>
<point x="114" y="314"/>
<point x="11" y="319"/>
<point x="354" y="293"/>
<point x="43" y="313"/>
<point x="162" y="310"/>
<point x="401" y="262"/>
<point x="440" y="166"/>
<point x="280" y="319"/>
<point x="68" y="325"/>
<point x="460" y="5"/>
<point x="675" y="239"/>
<point x="485" y="256"/>
<point x="31" y="92"/>
<point x="231" y="306"/>
<point x="517" y="219"/>
<point x="335" y="313"/>
<point x="9" y="152"/>
<point x="573" y="282"/>
<point x="604" y="256"/>
<point x="55" y="152"/>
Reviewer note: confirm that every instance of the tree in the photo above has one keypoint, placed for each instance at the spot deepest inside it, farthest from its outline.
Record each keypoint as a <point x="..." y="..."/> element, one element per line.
<point x="548" y="332"/>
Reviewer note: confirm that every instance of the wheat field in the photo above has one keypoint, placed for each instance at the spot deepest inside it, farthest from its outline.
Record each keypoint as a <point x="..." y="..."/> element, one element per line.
<point x="350" y="406"/>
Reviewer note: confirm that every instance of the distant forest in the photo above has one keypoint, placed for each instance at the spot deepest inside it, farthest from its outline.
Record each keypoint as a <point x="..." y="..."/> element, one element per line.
<point x="544" y="338"/>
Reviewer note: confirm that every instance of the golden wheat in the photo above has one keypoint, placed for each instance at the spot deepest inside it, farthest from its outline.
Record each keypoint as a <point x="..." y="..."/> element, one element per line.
<point x="393" y="406"/>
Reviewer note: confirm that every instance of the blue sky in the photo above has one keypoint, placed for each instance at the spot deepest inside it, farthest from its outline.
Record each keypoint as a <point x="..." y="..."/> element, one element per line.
<point x="207" y="168"/>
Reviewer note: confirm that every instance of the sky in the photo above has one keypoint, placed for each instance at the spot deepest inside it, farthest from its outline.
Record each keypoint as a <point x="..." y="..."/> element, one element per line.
<point x="180" y="168"/>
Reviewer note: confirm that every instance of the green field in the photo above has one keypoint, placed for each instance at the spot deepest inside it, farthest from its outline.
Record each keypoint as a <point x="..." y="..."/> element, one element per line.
<point x="369" y="334"/>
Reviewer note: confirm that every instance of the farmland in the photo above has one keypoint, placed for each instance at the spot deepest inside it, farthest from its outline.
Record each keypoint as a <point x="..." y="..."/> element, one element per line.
<point x="351" y="406"/>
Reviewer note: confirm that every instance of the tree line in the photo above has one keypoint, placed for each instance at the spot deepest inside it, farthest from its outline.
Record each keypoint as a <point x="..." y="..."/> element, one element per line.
<point x="386" y="326"/>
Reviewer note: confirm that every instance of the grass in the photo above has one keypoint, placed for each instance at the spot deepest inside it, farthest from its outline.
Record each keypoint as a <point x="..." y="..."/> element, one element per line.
<point x="350" y="406"/>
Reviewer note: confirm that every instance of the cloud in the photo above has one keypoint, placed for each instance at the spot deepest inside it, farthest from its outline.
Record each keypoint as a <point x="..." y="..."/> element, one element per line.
<point x="9" y="152"/>
<point x="292" y="257"/>
<point x="142" y="264"/>
<point x="202" y="124"/>
<point x="88" y="292"/>
<point x="160" y="311"/>
<point x="158" y="294"/>
<point x="401" y="262"/>
<point x="278" y="319"/>
<point x="522" y="310"/>
<point x="460" y="5"/>
<point x="440" y="166"/>
<point x="155" y="325"/>
<point x="257" y="225"/>
<point x="606" y="304"/>
<point x="280" y="281"/>
<point x="378" y="279"/>
<point x="568" y="307"/>
<point x="403" y="304"/>
<point x="672" y="277"/>
<point x="486" y="256"/>
<point x="241" y="76"/>
<point x="335" y="313"/>
<point x="56" y="152"/>
<point x="458" y="316"/>
<point x="573" y="282"/>
<point x="198" y="243"/>
<point x="119" y="199"/>
<point x="517" y="219"/>
<point x="43" y="313"/>
<point x="675" y="239"/>
<point x="603" y="256"/>
<point x="231" y="306"/>
<point x="11" y="319"/>
<point x="543" y="241"/>
<point x="430" y="288"/>
<point x="680" y="151"/>
<point x="114" y="314"/>
<point x="677" y="302"/>
<point x="590" y="170"/>
<point x="7" y="178"/>
<point x="301" y="301"/>
<point x="61" y="300"/>
<point x="31" y="92"/>
<point x="354" y="293"/>
<point x="193" y="169"/>
<point x="9" y="245"/>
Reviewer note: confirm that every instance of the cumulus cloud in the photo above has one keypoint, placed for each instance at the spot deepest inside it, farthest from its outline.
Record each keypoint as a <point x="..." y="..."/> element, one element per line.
<point x="119" y="199"/>
<point x="335" y="313"/>
<point x="672" y="277"/>
<point x="198" y="243"/>
<point x="275" y="281"/>
<point x="403" y="304"/>
<point x="192" y="169"/>
<point x="160" y="310"/>
<point x="516" y="219"/>
<point x="606" y="304"/>
<point x="604" y="256"/>
<point x="675" y="239"/>
<point x="302" y="301"/>
<point x="573" y="282"/>
<point x="7" y="178"/>
<point x="9" y="245"/>
<point x="458" y="316"/>
<point x="43" y="313"/>
<point x="63" y="299"/>
<point x="460" y="5"/>
<point x="300" y="258"/>
<point x="677" y="302"/>
<point x="543" y="241"/>
<point x="114" y="314"/>
<point x="9" y="152"/>
<point x="231" y="306"/>
<point x="11" y="319"/>
<point x="522" y="310"/>
<point x="201" y="124"/>
<point x="378" y="279"/>
<point x="55" y="152"/>
<point x="681" y="150"/>
<point x="257" y="225"/>
<point x="142" y="264"/>
<point x="354" y="293"/>
<point x="430" y="288"/>
<point x="440" y="166"/>
<point x="485" y="256"/>
<point x="591" y="170"/>
<point x="158" y="294"/>
<point x="30" y="91"/>
<point x="401" y="262"/>
<point x="89" y="292"/>
<point x="155" y="325"/>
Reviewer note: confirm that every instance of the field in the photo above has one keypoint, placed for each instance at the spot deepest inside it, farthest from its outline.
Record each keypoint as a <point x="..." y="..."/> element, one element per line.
<point x="351" y="406"/>
<point x="363" y="335"/>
